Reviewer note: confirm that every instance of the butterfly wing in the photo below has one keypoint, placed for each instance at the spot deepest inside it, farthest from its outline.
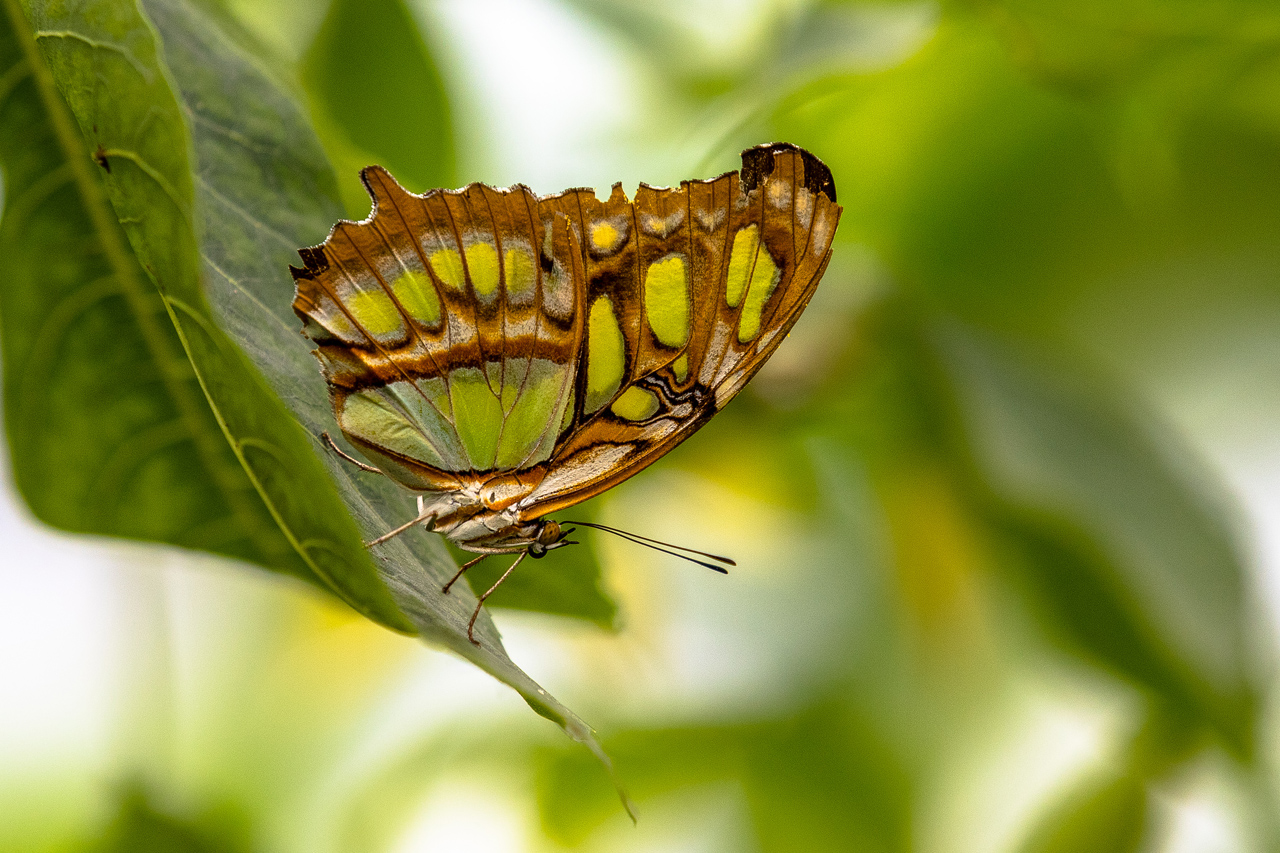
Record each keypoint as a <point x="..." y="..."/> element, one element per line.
<point x="448" y="328"/>
<point x="567" y="340"/>
<point x="688" y="291"/>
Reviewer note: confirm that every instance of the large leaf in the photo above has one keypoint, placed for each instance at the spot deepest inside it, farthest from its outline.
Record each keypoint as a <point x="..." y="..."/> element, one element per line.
<point x="254" y="186"/>
<point x="258" y="208"/>
<point x="108" y="429"/>
<point x="106" y="69"/>
<point x="251" y="251"/>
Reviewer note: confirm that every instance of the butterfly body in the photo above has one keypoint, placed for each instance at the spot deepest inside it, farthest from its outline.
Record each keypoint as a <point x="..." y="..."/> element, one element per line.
<point x="485" y="518"/>
<point x="506" y="355"/>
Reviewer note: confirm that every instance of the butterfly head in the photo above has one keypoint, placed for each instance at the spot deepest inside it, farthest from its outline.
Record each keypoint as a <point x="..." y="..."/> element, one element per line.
<point x="548" y="537"/>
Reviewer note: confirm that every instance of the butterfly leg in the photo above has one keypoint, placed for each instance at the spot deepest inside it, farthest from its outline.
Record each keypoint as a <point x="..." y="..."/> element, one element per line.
<point x="465" y="566"/>
<point x="347" y="456"/>
<point x="421" y="519"/>
<point x="472" y="624"/>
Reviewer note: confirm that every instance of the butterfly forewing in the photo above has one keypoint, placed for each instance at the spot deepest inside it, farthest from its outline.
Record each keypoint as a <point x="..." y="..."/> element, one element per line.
<point x="568" y="340"/>
<point x="448" y="327"/>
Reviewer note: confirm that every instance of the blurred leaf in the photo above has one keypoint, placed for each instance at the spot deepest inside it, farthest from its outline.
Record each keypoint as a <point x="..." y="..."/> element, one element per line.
<point x="653" y="30"/>
<point x="1109" y="816"/>
<point x="1009" y="201"/>
<point x="573" y="802"/>
<point x="140" y="826"/>
<point x="819" y="779"/>
<point x="985" y="460"/>
<point x="721" y="83"/>
<point x="1146" y="70"/>
<point x="1139" y="563"/>
<point x="254" y="158"/>
<point x="1112" y="808"/>
<point x="991" y="200"/>
<point x="1093" y="46"/>
<point x="965" y="178"/>
<point x="377" y="97"/>
<point x="385" y="802"/>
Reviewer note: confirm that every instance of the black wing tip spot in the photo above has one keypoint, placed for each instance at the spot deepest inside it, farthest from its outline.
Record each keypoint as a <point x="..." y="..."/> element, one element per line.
<point x="314" y="259"/>
<point x="817" y="177"/>
<point x="758" y="163"/>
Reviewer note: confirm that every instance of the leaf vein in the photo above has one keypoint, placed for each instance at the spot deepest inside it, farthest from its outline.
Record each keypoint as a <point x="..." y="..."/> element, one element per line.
<point x="248" y="294"/>
<point x="97" y="44"/>
<point x="245" y="215"/>
<point x="154" y="174"/>
<point x="19" y="71"/>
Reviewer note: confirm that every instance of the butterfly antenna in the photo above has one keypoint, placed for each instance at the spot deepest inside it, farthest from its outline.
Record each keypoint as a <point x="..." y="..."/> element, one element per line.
<point x="664" y="547"/>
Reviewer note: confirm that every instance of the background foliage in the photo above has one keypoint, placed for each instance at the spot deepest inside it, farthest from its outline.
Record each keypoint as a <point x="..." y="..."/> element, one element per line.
<point x="997" y="589"/>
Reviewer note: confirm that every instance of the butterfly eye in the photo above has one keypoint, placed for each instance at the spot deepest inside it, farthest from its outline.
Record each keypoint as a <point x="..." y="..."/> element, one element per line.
<point x="548" y="533"/>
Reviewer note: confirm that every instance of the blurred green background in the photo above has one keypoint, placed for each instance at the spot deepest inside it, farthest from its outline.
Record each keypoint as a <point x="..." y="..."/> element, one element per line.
<point x="1006" y="504"/>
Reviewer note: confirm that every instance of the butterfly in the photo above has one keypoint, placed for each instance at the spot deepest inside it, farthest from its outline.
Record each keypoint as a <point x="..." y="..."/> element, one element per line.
<point x="506" y="355"/>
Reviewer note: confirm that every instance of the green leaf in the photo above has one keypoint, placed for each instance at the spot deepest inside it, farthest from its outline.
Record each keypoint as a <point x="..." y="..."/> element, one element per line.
<point x="106" y="68"/>
<point x="259" y="209"/>
<point x="248" y="177"/>
<point x="141" y="826"/>
<point x="108" y="429"/>
<point x="376" y="96"/>
<point x="568" y="582"/>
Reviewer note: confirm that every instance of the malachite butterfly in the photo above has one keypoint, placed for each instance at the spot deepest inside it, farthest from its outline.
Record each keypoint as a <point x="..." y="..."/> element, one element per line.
<point x="506" y="356"/>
